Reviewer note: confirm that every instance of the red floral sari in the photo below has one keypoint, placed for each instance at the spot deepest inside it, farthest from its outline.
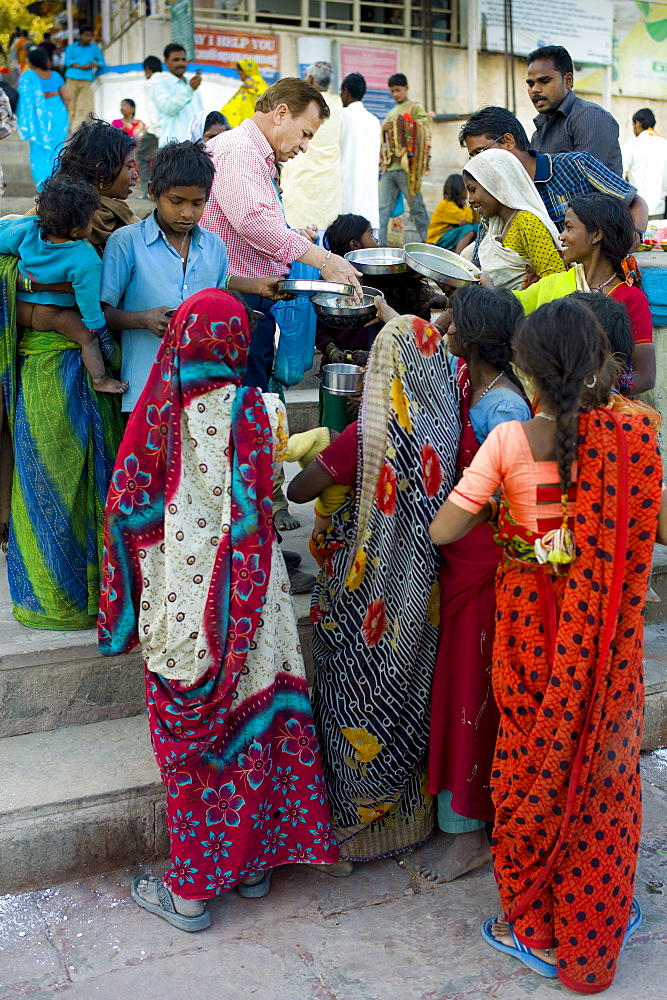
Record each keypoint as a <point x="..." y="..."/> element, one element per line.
<point x="568" y="681"/>
<point x="192" y="576"/>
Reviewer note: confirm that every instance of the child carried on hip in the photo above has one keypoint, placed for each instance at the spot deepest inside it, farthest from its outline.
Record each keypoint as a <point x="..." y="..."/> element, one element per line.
<point x="53" y="248"/>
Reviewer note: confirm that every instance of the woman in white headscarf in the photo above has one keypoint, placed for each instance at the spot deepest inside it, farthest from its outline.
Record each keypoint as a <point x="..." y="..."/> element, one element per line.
<point x="520" y="234"/>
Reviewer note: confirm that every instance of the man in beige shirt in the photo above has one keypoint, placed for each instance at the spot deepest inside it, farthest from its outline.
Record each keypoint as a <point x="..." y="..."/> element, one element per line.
<point x="311" y="183"/>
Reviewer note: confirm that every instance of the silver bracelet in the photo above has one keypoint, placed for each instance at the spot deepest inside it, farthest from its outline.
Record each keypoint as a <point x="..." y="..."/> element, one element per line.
<point x="326" y="259"/>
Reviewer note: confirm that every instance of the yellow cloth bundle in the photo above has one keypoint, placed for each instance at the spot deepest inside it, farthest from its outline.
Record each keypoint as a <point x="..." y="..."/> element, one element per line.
<point x="303" y="448"/>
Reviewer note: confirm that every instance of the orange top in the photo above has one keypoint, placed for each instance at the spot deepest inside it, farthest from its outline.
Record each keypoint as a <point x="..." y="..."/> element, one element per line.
<point x="505" y="459"/>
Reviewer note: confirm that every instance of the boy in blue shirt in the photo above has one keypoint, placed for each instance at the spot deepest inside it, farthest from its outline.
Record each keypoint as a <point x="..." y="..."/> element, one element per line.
<point x="53" y="248"/>
<point x="149" y="268"/>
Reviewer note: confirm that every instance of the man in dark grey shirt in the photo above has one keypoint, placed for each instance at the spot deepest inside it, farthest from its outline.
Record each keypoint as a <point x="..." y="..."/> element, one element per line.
<point x="566" y="122"/>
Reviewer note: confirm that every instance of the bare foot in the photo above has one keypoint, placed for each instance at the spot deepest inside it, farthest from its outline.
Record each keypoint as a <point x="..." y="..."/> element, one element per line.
<point x="441" y="860"/>
<point x="284" y="521"/>
<point x="501" y="932"/>
<point x="106" y="384"/>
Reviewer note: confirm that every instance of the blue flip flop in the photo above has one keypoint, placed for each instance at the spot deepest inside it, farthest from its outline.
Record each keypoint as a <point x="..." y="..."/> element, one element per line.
<point x="636" y="917"/>
<point x="520" y="950"/>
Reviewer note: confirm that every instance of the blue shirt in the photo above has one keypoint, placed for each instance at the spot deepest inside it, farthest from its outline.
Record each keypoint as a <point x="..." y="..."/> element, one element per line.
<point x="559" y="177"/>
<point x="76" y="261"/>
<point x="141" y="270"/>
<point x="82" y="54"/>
<point x="496" y="407"/>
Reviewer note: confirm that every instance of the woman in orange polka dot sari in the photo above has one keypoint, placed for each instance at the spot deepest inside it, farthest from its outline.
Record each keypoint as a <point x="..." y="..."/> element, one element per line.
<point x="581" y="503"/>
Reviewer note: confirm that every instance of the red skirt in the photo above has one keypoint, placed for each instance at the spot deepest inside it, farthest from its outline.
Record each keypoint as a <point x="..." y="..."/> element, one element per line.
<point x="464" y="717"/>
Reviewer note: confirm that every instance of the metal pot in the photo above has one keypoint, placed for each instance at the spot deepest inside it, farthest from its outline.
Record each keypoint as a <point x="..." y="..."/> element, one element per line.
<point x="341" y="379"/>
<point x="342" y="313"/>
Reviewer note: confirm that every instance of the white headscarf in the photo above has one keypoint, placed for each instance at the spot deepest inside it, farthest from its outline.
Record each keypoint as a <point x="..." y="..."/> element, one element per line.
<point x="505" y="178"/>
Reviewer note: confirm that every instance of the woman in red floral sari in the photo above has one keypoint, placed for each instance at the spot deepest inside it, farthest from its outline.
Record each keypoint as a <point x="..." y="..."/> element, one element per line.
<point x="192" y="575"/>
<point x="581" y="505"/>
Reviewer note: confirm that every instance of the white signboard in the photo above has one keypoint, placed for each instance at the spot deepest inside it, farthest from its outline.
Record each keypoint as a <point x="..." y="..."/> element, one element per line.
<point x="584" y="27"/>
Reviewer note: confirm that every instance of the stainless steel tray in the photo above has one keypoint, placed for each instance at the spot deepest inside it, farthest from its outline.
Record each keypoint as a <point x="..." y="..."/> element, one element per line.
<point x="304" y="286"/>
<point x="378" y="260"/>
<point x="440" y="264"/>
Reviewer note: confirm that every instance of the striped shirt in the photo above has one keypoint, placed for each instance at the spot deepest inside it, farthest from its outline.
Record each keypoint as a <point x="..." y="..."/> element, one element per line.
<point x="245" y="209"/>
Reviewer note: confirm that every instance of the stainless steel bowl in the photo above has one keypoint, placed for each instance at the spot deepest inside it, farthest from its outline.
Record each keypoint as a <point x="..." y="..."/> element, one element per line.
<point x="304" y="286"/>
<point x="441" y="265"/>
<point x="341" y="380"/>
<point x="378" y="260"/>
<point x="342" y="312"/>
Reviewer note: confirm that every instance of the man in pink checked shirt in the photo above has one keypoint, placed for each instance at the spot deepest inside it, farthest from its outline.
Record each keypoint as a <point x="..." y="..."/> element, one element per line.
<point x="246" y="211"/>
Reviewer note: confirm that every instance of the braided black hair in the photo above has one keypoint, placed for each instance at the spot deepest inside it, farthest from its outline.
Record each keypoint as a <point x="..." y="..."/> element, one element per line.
<point x="613" y="219"/>
<point x="487" y="318"/>
<point x="95" y="153"/>
<point x="565" y="351"/>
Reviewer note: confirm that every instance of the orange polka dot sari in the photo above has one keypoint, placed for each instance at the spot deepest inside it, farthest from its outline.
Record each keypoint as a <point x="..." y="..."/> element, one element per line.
<point x="568" y="681"/>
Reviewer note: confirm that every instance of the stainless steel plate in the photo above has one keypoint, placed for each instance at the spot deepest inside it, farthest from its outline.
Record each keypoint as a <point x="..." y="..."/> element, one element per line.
<point x="378" y="260"/>
<point x="438" y="264"/>
<point x="303" y="286"/>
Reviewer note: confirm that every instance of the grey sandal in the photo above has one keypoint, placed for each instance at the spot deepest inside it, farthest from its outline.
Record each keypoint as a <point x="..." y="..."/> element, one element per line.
<point x="258" y="889"/>
<point x="165" y="906"/>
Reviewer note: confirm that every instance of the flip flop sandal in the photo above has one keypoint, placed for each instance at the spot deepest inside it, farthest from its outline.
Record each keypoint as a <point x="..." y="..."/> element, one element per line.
<point x="636" y="917"/>
<point x="257" y="890"/>
<point x="165" y="906"/>
<point x="520" y="950"/>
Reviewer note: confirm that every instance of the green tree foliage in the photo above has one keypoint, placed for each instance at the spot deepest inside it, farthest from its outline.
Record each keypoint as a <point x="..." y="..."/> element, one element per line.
<point x="14" y="14"/>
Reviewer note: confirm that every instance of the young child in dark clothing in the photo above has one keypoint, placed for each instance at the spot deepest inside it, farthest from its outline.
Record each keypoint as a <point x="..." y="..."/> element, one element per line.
<point x="406" y="293"/>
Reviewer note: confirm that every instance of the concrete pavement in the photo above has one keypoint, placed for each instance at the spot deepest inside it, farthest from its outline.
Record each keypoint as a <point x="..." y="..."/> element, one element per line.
<point x="373" y="936"/>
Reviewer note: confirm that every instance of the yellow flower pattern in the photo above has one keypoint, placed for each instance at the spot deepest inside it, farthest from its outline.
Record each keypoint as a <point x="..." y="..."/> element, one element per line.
<point x="370" y="814"/>
<point x="401" y="405"/>
<point x="366" y="746"/>
<point x="358" y="570"/>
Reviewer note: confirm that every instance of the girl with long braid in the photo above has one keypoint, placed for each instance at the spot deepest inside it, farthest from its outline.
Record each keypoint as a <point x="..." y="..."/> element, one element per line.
<point x="464" y="717"/>
<point x="582" y="504"/>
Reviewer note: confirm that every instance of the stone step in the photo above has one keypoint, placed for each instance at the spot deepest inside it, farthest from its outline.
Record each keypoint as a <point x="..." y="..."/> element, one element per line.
<point x="78" y="801"/>
<point x="66" y="685"/>
<point x="88" y="799"/>
<point x="302" y="409"/>
<point x="53" y="680"/>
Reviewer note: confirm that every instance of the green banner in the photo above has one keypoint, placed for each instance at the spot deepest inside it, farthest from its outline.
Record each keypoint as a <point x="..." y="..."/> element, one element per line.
<point x="183" y="26"/>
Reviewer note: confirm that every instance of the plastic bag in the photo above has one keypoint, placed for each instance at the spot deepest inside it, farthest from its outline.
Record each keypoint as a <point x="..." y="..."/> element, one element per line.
<point x="297" y="321"/>
<point x="399" y="207"/>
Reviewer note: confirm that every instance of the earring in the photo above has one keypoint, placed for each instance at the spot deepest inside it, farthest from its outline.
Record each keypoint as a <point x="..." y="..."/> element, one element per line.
<point x="591" y="385"/>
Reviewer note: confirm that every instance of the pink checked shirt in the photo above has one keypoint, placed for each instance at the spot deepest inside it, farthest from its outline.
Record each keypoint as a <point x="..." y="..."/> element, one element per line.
<point x="244" y="207"/>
